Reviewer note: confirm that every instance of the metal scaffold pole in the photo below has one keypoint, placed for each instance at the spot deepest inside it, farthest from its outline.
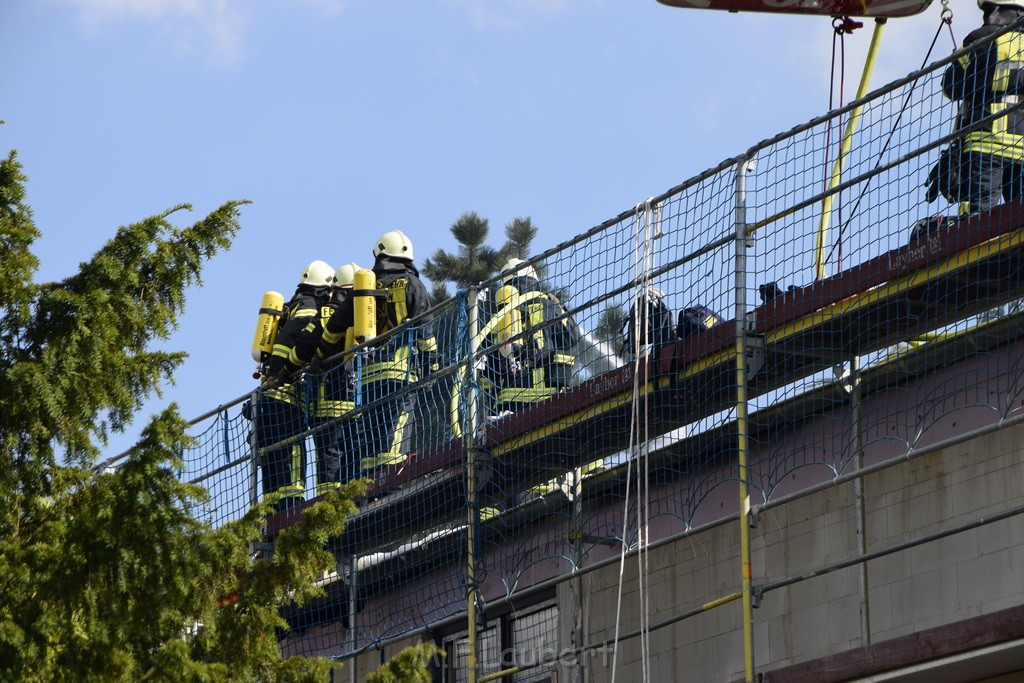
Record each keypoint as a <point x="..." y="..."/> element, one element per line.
<point x="742" y="168"/>
<point x="254" y="473"/>
<point x="577" y="634"/>
<point x="858" y="491"/>
<point x="469" y="438"/>
<point x="353" y="607"/>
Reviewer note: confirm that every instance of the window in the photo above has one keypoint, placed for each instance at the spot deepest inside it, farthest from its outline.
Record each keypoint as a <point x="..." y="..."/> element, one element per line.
<point x="527" y="638"/>
<point x="488" y="654"/>
<point x="535" y="641"/>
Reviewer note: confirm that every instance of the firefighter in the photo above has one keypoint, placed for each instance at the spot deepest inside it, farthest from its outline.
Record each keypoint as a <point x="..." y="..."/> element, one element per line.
<point x="385" y="428"/>
<point x="335" y="387"/>
<point x="986" y="163"/>
<point x="535" y="339"/>
<point x="280" y="409"/>
<point x="648" y="325"/>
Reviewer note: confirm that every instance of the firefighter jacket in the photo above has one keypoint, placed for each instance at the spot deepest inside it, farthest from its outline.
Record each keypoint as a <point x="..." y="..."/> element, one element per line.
<point x="338" y="330"/>
<point x="404" y="297"/>
<point x="990" y="80"/>
<point x="298" y="336"/>
<point x="335" y="391"/>
<point x="544" y="345"/>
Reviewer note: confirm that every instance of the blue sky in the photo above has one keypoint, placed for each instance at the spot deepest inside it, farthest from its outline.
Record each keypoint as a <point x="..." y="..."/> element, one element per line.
<point x="342" y="119"/>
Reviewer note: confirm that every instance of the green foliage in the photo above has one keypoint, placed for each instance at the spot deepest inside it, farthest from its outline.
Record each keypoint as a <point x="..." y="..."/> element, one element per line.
<point x="115" y="576"/>
<point x="408" y="666"/>
<point x="248" y="623"/>
<point x="17" y="264"/>
<point x="92" y="330"/>
<point x="609" y="324"/>
<point x="474" y="261"/>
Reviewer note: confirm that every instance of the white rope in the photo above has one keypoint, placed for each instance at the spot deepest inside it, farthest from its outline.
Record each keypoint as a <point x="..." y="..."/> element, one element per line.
<point x="643" y="483"/>
<point x="639" y="433"/>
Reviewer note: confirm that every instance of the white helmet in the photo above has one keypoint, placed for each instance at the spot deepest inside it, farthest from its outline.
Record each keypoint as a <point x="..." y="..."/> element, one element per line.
<point x="513" y="264"/>
<point x="654" y="295"/>
<point x="317" y="274"/>
<point x="345" y="276"/>
<point x="394" y="244"/>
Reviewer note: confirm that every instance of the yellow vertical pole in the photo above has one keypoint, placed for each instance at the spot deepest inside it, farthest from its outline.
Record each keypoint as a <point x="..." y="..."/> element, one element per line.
<point x="844" y="150"/>
<point x="471" y="502"/>
<point x="746" y="572"/>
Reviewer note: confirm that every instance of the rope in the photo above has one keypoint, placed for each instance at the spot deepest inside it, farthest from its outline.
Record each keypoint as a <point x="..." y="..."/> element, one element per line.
<point x="643" y="482"/>
<point x="945" y="19"/>
<point x="638" y="442"/>
<point x="842" y="91"/>
<point x="828" y="128"/>
<point x="841" y="27"/>
<point x="637" y="326"/>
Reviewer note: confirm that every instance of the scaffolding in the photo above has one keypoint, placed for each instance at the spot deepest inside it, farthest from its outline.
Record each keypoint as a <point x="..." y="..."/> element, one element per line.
<point x="486" y="499"/>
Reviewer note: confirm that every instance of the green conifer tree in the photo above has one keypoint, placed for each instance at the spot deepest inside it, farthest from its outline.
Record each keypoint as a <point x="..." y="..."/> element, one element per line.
<point x="408" y="666"/>
<point x="474" y="261"/>
<point x="115" y="576"/>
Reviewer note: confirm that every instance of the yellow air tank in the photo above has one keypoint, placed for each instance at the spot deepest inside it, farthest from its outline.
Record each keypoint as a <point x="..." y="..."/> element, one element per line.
<point x="509" y="325"/>
<point x="271" y="312"/>
<point x="365" y="302"/>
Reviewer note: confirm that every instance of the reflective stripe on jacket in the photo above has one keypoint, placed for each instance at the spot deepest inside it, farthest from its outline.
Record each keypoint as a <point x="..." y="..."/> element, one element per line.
<point x="989" y="81"/>
<point x="547" y="339"/>
<point x="301" y="330"/>
<point x="405" y="298"/>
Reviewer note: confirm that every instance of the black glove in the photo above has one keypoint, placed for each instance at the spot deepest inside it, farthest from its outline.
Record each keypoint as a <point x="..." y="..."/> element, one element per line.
<point x="517" y="360"/>
<point x="281" y="378"/>
<point x="426" y="363"/>
<point x="316" y="363"/>
<point x="944" y="179"/>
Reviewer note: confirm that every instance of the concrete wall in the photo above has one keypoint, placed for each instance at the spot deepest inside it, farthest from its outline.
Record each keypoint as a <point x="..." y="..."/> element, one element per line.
<point x="972" y="573"/>
<point x="953" y="581"/>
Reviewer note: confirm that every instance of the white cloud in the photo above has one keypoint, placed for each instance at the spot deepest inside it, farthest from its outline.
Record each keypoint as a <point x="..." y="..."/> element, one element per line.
<point x="213" y="28"/>
<point x="508" y="13"/>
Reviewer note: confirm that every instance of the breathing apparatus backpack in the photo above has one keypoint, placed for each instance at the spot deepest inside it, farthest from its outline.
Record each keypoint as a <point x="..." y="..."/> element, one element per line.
<point x="654" y="323"/>
<point x="267" y="325"/>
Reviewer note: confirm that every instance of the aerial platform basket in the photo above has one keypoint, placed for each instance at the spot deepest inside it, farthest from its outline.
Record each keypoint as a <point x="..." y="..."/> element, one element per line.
<point x="832" y="8"/>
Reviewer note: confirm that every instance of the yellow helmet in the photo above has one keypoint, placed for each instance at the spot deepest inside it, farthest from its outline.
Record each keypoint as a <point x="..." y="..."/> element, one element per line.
<point x="345" y="276"/>
<point x="513" y="264"/>
<point x="317" y="274"/>
<point x="395" y="244"/>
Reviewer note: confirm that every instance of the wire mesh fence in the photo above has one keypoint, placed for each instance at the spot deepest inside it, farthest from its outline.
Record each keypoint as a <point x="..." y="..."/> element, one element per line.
<point x="591" y="400"/>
